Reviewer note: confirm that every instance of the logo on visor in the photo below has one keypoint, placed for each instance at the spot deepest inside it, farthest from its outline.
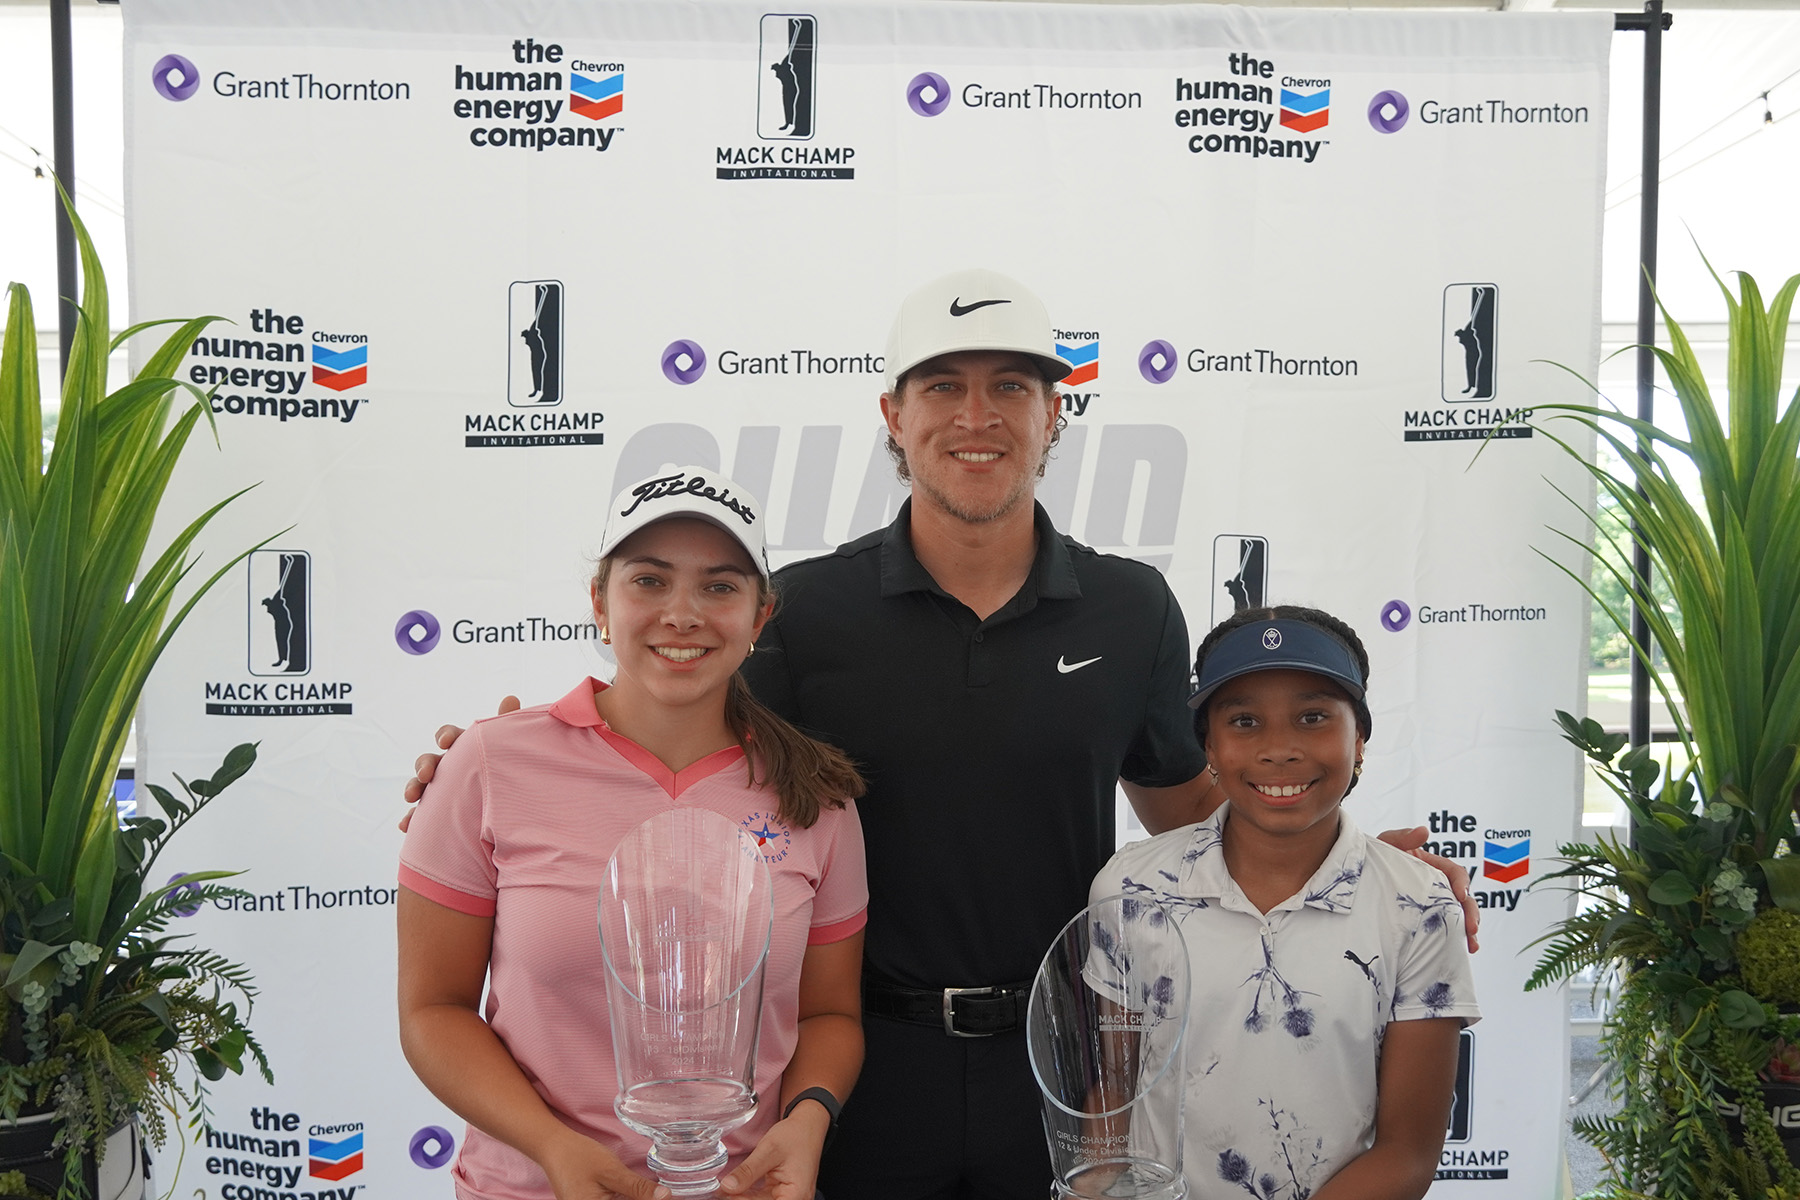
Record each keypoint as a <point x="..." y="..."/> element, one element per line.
<point x="1271" y="639"/>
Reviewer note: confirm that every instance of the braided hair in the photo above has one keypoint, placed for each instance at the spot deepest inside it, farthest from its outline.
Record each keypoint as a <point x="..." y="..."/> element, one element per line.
<point x="1318" y="619"/>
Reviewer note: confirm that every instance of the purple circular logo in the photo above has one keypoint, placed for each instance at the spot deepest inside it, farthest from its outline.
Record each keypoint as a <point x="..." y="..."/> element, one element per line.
<point x="184" y="910"/>
<point x="1156" y="361"/>
<point x="1397" y="615"/>
<point x="673" y="356"/>
<point x="936" y="85"/>
<point x="441" y="1144"/>
<point x="1388" y="112"/>
<point x="174" y="77"/>
<point x="417" y="632"/>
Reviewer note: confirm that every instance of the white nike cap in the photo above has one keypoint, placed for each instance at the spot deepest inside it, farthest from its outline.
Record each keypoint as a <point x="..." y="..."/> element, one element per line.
<point x="688" y="492"/>
<point x="971" y="310"/>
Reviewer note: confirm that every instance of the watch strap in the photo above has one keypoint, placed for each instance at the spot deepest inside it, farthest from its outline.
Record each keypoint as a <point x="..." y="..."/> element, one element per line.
<point x="828" y="1101"/>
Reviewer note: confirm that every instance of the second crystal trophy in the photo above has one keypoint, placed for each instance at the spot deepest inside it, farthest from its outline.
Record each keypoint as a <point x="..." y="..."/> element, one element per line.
<point x="1107" y="1034"/>
<point x="685" y="914"/>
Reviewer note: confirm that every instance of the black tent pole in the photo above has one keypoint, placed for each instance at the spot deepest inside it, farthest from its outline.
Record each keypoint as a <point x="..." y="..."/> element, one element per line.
<point x="1652" y="21"/>
<point x="63" y="116"/>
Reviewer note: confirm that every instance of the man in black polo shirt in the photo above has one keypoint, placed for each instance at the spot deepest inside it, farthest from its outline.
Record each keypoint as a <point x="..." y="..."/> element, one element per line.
<point x="995" y="680"/>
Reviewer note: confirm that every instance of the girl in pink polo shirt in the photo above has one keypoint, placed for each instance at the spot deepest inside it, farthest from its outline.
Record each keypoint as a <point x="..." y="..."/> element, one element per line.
<point x="501" y="872"/>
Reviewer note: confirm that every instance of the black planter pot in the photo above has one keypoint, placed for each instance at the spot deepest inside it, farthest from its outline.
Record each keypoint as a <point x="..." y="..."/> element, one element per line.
<point x="27" y="1146"/>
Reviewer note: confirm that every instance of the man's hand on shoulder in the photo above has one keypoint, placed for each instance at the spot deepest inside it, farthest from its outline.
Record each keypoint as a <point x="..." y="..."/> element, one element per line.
<point x="1410" y="840"/>
<point x="426" y="766"/>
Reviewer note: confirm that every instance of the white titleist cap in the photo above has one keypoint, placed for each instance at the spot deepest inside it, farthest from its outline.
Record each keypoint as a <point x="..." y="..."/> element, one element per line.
<point x="688" y="492"/>
<point x="971" y="310"/>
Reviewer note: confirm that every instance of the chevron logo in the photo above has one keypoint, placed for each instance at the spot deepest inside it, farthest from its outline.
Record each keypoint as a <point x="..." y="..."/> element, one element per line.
<point x="334" y="1160"/>
<point x="1303" y="112"/>
<point x="596" y="98"/>
<point x="1505" y="863"/>
<point x="340" y="369"/>
<point x="1085" y="359"/>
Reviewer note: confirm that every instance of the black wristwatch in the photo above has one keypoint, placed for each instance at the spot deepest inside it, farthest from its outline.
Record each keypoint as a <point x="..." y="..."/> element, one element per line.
<point x="825" y="1099"/>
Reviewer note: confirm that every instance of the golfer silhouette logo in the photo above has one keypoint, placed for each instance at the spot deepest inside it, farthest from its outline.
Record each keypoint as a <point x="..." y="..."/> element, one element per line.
<point x="1469" y="344"/>
<point x="785" y="103"/>
<point x="1240" y="573"/>
<point x="281" y="606"/>
<point x="535" y="359"/>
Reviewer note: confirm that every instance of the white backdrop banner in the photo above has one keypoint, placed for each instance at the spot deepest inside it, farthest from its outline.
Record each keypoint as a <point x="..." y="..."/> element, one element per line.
<point x="482" y="261"/>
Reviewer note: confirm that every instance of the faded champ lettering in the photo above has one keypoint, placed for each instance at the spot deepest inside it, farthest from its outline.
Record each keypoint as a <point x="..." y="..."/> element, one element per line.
<point x="680" y="484"/>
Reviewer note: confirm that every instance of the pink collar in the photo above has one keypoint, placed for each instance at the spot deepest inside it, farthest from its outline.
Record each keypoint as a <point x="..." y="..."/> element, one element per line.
<point x="577" y="709"/>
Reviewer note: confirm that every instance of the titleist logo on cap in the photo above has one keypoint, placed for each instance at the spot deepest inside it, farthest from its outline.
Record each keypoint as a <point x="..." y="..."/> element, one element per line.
<point x="680" y="484"/>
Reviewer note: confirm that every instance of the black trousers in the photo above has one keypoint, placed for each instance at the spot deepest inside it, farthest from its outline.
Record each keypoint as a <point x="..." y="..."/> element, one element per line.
<point x="939" y="1118"/>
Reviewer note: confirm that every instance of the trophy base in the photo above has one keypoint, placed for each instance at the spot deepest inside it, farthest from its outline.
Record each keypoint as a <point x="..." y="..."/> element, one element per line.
<point x="688" y="1169"/>
<point x="1121" y="1179"/>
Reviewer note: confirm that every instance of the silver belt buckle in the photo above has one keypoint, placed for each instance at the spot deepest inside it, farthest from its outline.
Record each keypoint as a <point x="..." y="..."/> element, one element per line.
<point x="950" y="995"/>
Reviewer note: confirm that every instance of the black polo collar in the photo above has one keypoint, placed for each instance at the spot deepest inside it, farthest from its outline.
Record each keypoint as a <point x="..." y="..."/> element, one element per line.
<point x="1052" y="569"/>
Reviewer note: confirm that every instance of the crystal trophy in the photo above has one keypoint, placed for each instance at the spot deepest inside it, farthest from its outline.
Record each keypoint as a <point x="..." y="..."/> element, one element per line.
<point x="685" y="913"/>
<point x="1106" y="1031"/>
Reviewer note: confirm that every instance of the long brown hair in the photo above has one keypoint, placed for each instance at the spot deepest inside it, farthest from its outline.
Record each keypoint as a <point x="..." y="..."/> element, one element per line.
<point x="806" y="775"/>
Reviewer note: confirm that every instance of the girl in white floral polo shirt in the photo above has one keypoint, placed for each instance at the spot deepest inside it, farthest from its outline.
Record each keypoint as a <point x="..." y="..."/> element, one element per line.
<point x="1330" y="974"/>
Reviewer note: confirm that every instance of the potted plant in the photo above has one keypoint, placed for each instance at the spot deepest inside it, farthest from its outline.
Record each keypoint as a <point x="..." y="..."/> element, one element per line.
<point x="1696" y="907"/>
<point x="99" y="1005"/>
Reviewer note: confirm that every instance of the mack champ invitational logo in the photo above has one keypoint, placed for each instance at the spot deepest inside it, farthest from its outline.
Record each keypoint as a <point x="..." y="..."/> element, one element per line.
<point x="266" y="374"/>
<point x="534" y="379"/>
<point x="279" y="641"/>
<point x="1468" y="383"/>
<point x="1236" y="113"/>
<point x="786" y="110"/>
<point x="540" y="98"/>
<point x="1459" y="1159"/>
<point x="270" y="1161"/>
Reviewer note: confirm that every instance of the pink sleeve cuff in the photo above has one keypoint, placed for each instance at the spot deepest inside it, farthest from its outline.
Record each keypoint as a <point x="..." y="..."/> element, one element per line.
<point x="437" y="893"/>
<point x="821" y="935"/>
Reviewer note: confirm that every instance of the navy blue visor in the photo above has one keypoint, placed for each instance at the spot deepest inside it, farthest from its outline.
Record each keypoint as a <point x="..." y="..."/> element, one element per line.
<point x="1277" y="645"/>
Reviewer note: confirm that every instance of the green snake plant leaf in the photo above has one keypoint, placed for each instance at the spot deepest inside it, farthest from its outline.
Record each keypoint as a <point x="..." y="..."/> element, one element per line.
<point x="21" y="752"/>
<point x="21" y="409"/>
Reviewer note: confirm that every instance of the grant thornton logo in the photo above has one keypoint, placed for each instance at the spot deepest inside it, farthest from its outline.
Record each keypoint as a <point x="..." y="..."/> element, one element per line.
<point x="1388" y="112"/>
<point x="175" y="77"/>
<point x="1396" y="615"/>
<point x="432" y="1147"/>
<point x="928" y="94"/>
<point x="417" y="632"/>
<point x="683" y="361"/>
<point x="1157" y="361"/>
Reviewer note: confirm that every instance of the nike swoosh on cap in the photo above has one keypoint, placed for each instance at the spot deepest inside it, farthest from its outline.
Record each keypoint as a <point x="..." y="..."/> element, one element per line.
<point x="1064" y="667"/>
<point x="959" y="309"/>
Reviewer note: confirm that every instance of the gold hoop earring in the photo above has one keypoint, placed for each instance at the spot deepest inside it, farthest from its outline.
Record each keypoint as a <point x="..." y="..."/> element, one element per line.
<point x="752" y="650"/>
<point x="1213" y="771"/>
<point x="604" y="640"/>
<point x="1356" y="771"/>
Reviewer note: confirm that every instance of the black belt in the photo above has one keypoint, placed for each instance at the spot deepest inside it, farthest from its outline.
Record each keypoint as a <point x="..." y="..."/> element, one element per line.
<point x="959" y="1012"/>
